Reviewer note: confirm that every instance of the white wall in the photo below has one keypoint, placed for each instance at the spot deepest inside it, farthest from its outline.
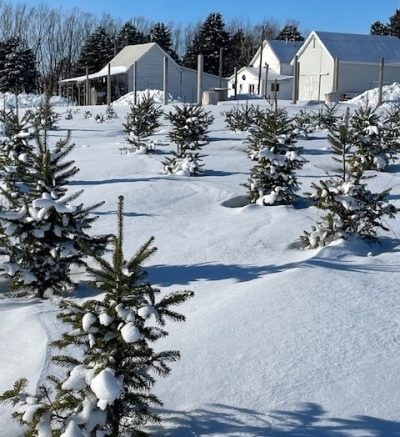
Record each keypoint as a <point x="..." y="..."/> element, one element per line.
<point x="182" y="82"/>
<point x="270" y="58"/>
<point x="357" y="78"/>
<point x="316" y="72"/>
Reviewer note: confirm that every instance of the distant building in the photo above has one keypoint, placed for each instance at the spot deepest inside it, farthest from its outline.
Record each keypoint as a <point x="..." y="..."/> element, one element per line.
<point x="149" y="58"/>
<point x="358" y="57"/>
<point x="278" y="55"/>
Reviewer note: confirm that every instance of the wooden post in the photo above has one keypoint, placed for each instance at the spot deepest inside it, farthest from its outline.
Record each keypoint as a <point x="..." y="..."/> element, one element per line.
<point x="79" y="93"/>
<point x="381" y="71"/>
<point x="260" y="68"/>
<point x="236" y="84"/>
<point x="276" y="94"/>
<point x="221" y="65"/>
<point x="298" y="81"/>
<point x="109" y="84"/>
<point x="134" y="83"/>
<point x="165" y="84"/>
<point x="266" y="81"/>
<point x="295" y="71"/>
<point x="200" y="63"/>
<point x="336" y="76"/>
<point x="87" y="97"/>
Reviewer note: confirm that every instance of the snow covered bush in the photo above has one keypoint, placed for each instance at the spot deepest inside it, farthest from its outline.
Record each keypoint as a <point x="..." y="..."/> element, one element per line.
<point x="189" y="128"/>
<point x="274" y="130"/>
<point x="87" y="115"/>
<point x="68" y="114"/>
<point x="352" y="210"/>
<point x="141" y="122"/>
<point x="272" y="179"/>
<point x="190" y="124"/>
<point x="241" y="118"/>
<point x="326" y="117"/>
<point x="373" y="146"/>
<point x="303" y="124"/>
<point x="108" y="390"/>
<point x="110" y="113"/>
<point x="43" y="229"/>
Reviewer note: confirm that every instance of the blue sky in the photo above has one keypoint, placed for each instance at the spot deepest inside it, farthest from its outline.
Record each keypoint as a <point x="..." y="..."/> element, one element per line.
<point x="331" y="15"/>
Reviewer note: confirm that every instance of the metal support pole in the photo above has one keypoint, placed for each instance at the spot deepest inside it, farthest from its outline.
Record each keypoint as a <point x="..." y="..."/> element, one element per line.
<point x="298" y="81"/>
<point x="109" y="84"/>
<point x="165" y="85"/>
<point x="134" y="83"/>
<point x="381" y="71"/>
<point x="200" y="64"/>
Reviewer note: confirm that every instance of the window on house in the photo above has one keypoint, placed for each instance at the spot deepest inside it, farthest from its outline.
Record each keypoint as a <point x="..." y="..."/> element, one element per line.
<point x="251" y="89"/>
<point x="275" y="88"/>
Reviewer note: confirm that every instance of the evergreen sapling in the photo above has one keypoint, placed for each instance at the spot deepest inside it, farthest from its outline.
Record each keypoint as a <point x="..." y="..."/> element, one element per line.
<point x="108" y="390"/>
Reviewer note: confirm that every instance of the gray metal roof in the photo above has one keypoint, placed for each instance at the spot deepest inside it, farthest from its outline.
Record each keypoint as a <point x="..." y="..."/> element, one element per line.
<point x="285" y="50"/>
<point x="130" y="54"/>
<point x="361" y="48"/>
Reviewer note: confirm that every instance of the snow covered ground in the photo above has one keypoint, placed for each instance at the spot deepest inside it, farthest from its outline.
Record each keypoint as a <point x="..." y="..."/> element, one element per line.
<point x="278" y="340"/>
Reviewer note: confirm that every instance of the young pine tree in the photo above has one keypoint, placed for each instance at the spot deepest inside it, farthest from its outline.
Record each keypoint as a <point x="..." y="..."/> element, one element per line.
<point x="108" y="390"/>
<point x="43" y="230"/>
<point x="351" y="209"/>
<point x="272" y="179"/>
<point x="45" y="118"/>
<point x="141" y="122"/>
<point x="371" y="140"/>
<point x="189" y="132"/>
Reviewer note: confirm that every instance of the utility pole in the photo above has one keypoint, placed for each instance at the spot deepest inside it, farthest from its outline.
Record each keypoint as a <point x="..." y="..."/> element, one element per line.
<point x="134" y="83"/>
<point x="87" y="87"/>
<point x="200" y="65"/>
<point x="221" y="65"/>
<point x="109" y="84"/>
<point x="165" y="83"/>
<point x="381" y="71"/>
<point x="236" y="84"/>
<point x="266" y="81"/>
<point x="260" y="67"/>
<point x="295" y="79"/>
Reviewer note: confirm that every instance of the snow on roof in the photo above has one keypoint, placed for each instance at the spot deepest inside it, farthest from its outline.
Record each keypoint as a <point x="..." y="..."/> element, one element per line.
<point x="361" y="48"/>
<point x="120" y="63"/>
<point x="285" y="50"/>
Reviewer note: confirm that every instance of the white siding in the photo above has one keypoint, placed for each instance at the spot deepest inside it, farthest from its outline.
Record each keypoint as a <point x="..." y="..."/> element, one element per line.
<point x="270" y="58"/>
<point x="356" y="78"/>
<point x="316" y="72"/>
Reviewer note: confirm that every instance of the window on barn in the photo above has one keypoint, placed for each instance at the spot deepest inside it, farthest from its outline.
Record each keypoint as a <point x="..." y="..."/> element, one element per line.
<point x="273" y="87"/>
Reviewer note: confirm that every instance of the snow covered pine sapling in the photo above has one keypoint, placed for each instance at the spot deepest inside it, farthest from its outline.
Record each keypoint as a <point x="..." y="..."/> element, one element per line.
<point x="42" y="228"/>
<point x="189" y="132"/>
<point x="108" y="390"/>
<point x="374" y="148"/>
<point x="352" y="210"/>
<point x="241" y="118"/>
<point x="272" y="179"/>
<point x="46" y="117"/>
<point x="141" y="122"/>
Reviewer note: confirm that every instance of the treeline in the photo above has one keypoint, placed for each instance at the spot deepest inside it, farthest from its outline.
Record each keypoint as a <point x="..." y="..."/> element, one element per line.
<point x="392" y="27"/>
<point x="45" y="45"/>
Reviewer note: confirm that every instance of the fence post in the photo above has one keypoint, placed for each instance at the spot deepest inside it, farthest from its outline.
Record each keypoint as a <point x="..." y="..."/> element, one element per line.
<point x="200" y="63"/>
<point x="165" y="84"/>
<point x="381" y="71"/>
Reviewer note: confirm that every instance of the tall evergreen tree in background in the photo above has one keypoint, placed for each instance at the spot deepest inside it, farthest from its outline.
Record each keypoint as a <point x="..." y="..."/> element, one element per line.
<point x="129" y="35"/>
<point x="161" y="35"/>
<point x="96" y="52"/>
<point x="379" y="28"/>
<point x="394" y="23"/>
<point x="209" y="39"/>
<point x="290" y="33"/>
<point x="17" y="67"/>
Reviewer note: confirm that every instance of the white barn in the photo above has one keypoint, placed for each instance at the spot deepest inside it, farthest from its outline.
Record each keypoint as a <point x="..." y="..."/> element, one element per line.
<point x="358" y="58"/>
<point x="149" y="58"/>
<point x="278" y="55"/>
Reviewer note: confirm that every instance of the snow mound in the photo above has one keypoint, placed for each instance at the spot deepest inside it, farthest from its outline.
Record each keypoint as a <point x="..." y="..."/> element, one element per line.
<point x="29" y="100"/>
<point x="129" y="98"/>
<point x="390" y="96"/>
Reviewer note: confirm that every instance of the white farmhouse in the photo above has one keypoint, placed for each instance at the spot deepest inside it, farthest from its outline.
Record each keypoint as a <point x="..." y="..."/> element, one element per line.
<point x="278" y="55"/>
<point x="357" y="66"/>
<point x="149" y="59"/>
